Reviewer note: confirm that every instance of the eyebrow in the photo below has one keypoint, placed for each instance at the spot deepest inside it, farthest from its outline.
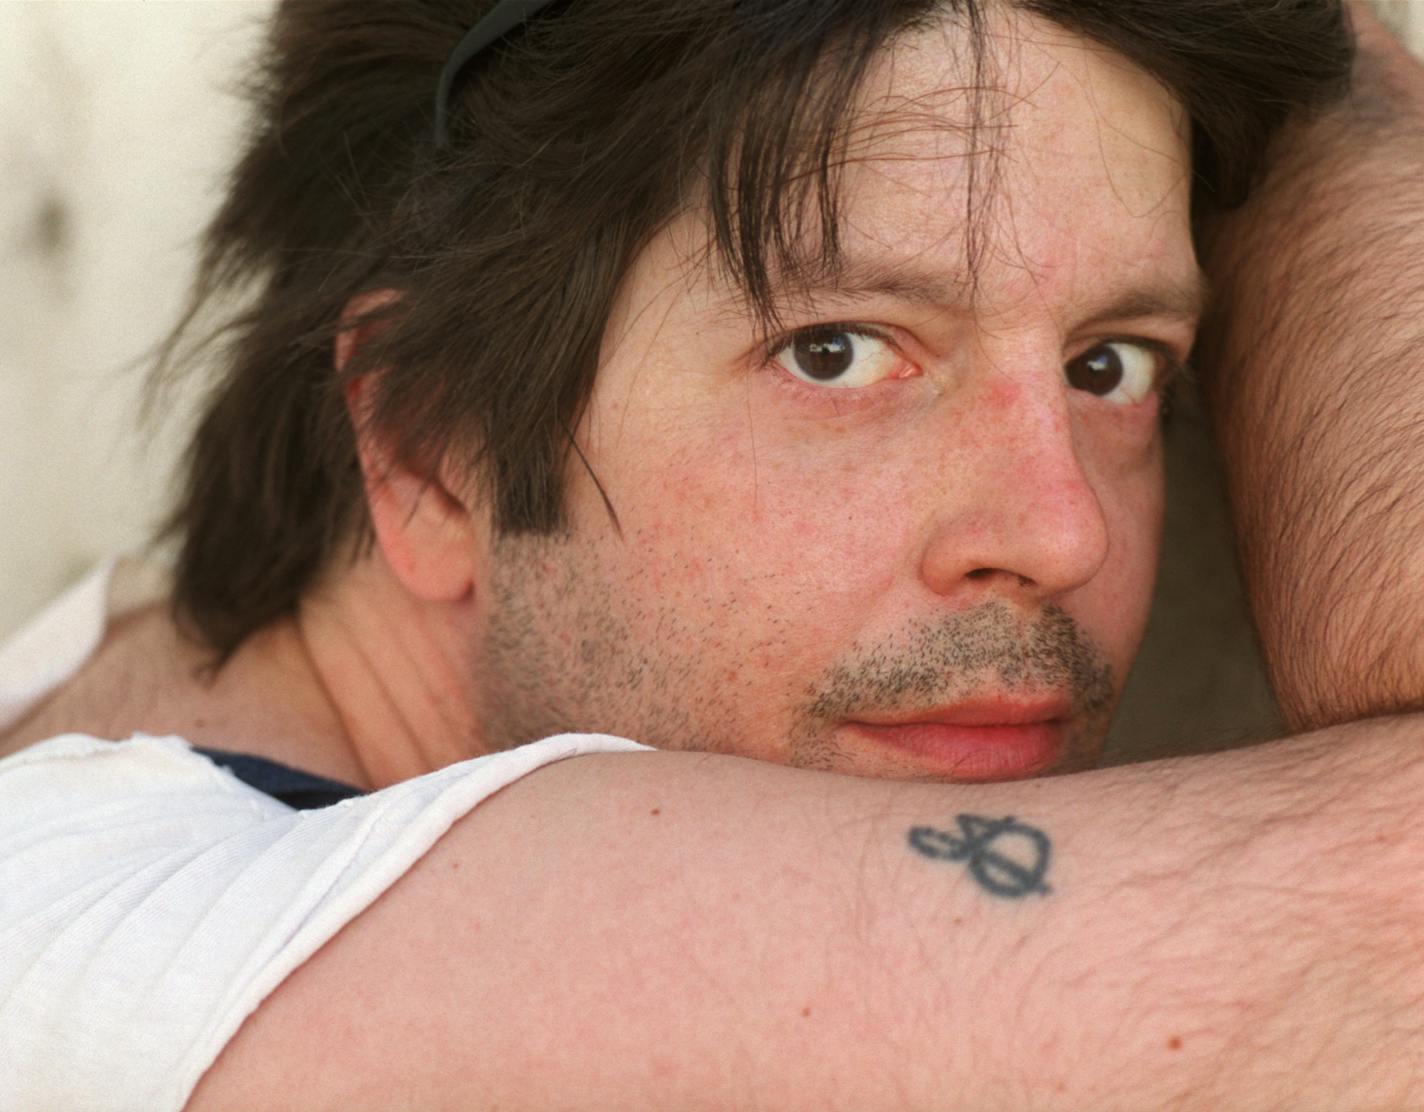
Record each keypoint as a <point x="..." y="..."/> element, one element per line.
<point x="860" y="277"/>
<point x="1184" y="298"/>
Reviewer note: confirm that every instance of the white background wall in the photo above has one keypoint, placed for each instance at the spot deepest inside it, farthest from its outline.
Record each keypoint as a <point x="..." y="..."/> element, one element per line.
<point x="114" y="135"/>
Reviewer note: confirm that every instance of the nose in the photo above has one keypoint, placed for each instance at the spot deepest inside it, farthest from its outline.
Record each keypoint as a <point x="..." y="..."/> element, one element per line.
<point x="1017" y="514"/>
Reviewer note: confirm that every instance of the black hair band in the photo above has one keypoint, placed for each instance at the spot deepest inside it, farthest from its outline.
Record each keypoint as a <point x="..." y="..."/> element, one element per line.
<point x="506" y="16"/>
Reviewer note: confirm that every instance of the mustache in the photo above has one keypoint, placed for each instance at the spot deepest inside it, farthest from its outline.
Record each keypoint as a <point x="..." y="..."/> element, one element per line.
<point x="985" y="649"/>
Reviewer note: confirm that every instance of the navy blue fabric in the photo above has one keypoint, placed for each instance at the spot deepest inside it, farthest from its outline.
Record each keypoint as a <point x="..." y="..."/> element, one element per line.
<point x="301" y="790"/>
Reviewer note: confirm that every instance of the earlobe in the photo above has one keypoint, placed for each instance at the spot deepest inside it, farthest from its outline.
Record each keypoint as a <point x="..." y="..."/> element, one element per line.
<point x="423" y="527"/>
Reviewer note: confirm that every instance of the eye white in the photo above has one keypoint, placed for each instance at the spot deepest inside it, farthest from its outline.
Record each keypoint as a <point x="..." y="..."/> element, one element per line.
<point x="839" y="358"/>
<point x="1118" y="371"/>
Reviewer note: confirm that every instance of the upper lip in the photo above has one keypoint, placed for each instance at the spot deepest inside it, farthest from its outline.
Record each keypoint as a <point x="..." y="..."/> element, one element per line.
<point x="980" y="712"/>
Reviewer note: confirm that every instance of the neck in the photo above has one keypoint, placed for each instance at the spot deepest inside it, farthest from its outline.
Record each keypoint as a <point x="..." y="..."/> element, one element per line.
<point x="397" y="671"/>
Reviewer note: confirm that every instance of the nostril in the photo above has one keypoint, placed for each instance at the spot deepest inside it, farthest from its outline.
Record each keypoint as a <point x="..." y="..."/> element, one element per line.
<point x="979" y="574"/>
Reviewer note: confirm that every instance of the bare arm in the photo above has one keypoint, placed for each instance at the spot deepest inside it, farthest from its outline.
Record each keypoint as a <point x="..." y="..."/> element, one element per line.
<point x="1316" y="374"/>
<point x="701" y="932"/>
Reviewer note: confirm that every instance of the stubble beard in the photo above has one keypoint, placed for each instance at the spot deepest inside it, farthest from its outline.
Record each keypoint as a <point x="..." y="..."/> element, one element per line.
<point x="563" y="654"/>
<point x="959" y="657"/>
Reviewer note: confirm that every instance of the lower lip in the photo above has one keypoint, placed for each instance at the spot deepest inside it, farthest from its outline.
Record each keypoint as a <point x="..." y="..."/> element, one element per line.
<point x="973" y="753"/>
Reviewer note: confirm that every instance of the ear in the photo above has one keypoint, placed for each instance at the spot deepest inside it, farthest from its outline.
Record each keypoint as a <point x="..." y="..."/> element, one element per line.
<point x="425" y="529"/>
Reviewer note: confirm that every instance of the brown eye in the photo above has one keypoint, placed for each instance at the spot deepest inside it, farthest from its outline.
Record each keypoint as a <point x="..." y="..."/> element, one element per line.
<point x="1097" y="372"/>
<point x="840" y="357"/>
<point x="823" y="355"/>
<point x="1119" y="371"/>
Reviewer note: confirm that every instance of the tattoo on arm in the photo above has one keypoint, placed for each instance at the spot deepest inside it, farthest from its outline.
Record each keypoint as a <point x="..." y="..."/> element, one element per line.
<point x="1007" y="857"/>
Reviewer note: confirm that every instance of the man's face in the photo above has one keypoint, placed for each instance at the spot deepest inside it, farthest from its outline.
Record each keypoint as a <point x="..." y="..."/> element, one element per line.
<point x="915" y="534"/>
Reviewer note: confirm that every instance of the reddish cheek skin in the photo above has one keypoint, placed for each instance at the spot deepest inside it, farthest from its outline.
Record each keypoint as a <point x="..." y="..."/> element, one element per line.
<point x="1123" y="589"/>
<point x="1003" y="397"/>
<point x="810" y="530"/>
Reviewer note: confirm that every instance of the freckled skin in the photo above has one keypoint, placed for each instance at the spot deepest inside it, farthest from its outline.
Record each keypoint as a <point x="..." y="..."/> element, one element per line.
<point x="792" y="556"/>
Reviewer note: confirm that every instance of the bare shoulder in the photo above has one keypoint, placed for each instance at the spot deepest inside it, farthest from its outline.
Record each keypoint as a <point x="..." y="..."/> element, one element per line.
<point x="147" y="677"/>
<point x="134" y="665"/>
<point x="691" y="931"/>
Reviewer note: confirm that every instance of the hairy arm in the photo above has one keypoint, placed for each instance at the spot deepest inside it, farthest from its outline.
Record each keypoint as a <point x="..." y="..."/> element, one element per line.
<point x="1315" y="372"/>
<point x="681" y="931"/>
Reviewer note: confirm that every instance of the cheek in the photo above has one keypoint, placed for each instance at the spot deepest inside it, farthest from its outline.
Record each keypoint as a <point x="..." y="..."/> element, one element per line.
<point x="795" y="534"/>
<point x="1133" y="507"/>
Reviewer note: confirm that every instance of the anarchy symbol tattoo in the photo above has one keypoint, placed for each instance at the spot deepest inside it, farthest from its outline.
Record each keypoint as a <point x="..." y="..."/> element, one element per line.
<point x="1006" y="857"/>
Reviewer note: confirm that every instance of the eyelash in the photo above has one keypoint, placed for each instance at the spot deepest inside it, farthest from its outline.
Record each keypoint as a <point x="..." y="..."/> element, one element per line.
<point x="770" y="347"/>
<point x="1179" y="375"/>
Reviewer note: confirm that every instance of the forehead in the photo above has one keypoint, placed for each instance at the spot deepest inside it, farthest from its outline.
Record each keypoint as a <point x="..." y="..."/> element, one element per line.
<point x="1052" y="150"/>
<point x="1042" y="165"/>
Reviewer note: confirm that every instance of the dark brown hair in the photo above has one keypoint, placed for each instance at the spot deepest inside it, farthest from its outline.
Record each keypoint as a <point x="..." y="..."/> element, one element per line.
<point x="572" y="142"/>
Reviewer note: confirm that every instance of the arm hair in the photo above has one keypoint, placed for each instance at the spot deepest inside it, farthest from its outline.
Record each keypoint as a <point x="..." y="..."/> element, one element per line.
<point x="1315" y="373"/>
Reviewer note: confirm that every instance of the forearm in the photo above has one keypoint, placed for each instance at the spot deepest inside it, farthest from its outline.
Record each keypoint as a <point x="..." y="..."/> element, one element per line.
<point x="1315" y="371"/>
<point x="678" y="931"/>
